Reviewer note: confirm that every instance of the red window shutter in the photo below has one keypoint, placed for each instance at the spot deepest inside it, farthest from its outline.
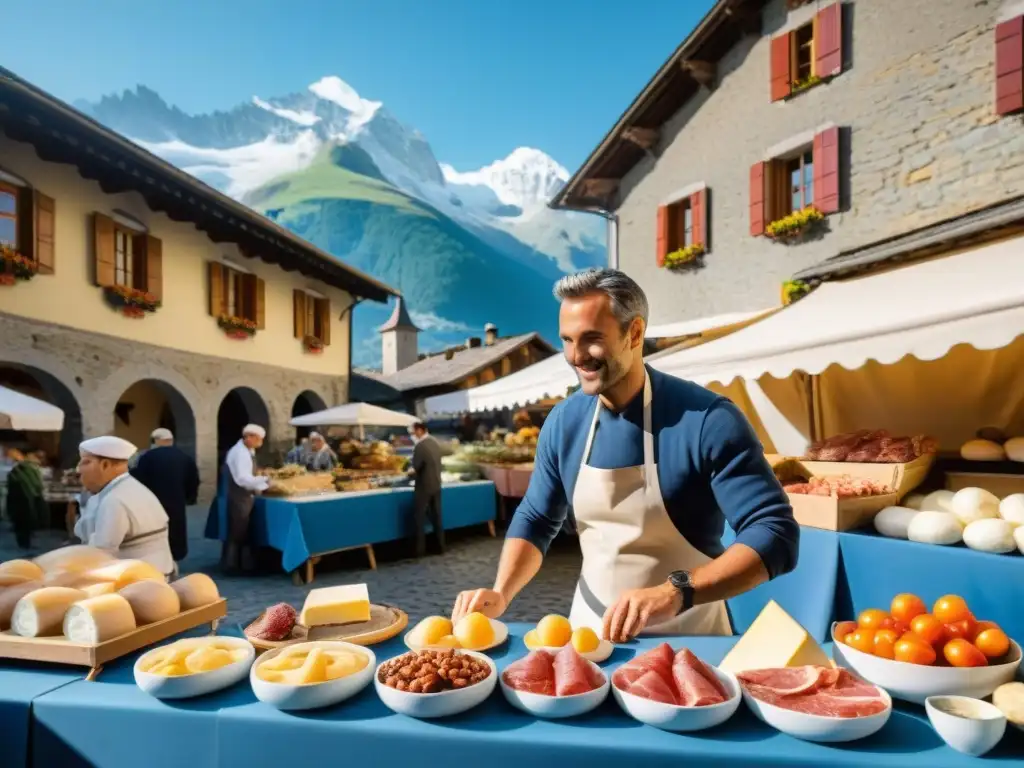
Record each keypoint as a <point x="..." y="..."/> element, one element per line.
<point x="828" y="41"/>
<point x="1010" y="66"/>
<point x="826" y="170"/>
<point x="699" y="217"/>
<point x="662" y="236"/>
<point x="781" y="81"/>
<point x="757" y="199"/>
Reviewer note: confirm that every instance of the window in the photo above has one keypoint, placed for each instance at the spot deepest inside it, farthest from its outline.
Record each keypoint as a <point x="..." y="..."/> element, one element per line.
<point x="1010" y="66"/>
<point x="312" y="316"/>
<point x="124" y="257"/>
<point x="800" y="172"/>
<point x="807" y="54"/>
<point x="682" y="224"/>
<point x="234" y="293"/>
<point x="8" y="215"/>
<point x="801" y="52"/>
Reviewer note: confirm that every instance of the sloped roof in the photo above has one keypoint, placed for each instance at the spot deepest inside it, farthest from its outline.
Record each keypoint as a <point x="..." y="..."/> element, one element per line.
<point x="399" y="319"/>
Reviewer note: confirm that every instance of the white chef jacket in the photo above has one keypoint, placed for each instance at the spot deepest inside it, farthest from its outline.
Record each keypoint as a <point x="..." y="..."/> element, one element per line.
<point x="128" y="521"/>
<point x="240" y="463"/>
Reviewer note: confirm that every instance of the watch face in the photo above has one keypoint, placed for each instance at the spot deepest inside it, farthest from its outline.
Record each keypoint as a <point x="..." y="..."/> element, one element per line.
<point x="681" y="579"/>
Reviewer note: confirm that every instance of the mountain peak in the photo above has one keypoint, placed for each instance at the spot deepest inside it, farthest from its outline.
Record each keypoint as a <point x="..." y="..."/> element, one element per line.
<point x="332" y="88"/>
<point x="526" y="178"/>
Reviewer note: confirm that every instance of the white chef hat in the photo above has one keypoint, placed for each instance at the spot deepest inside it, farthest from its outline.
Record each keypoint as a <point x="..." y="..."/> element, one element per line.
<point x="254" y="429"/>
<point x="161" y="434"/>
<point x="108" y="447"/>
<point x="315" y="435"/>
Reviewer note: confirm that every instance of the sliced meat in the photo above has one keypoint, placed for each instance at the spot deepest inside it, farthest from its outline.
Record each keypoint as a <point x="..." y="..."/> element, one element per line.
<point x="573" y="673"/>
<point x="652" y="685"/>
<point x="696" y="684"/>
<point x="657" y="660"/>
<point x="834" y="693"/>
<point x="534" y="673"/>
<point x="784" y="681"/>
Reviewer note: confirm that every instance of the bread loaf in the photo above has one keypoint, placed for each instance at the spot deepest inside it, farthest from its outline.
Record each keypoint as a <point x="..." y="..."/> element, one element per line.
<point x="41" y="613"/>
<point x="9" y="597"/>
<point x="125" y="572"/>
<point x="103" y="588"/>
<point x="151" y="601"/>
<point x="98" y="619"/>
<point x="982" y="450"/>
<point x="195" y="590"/>
<point x="1014" y="448"/>
<point x="17" y="571"/>
<point x="77" y="558"/>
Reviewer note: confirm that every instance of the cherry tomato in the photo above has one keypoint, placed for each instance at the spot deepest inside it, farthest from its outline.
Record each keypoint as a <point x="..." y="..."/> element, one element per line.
<point x="906" y="606"/>
<point x="992" y="642"/>
<point x="960" y="653"/>
<point x="862" y="640"/>
<point x="981" y="626"/>
<point x="900" y="626"/>
<point x="885" y="642"/>
<point x="914" y="652"/>
<point x="872" y="618"/>
<point x="950" y="608"/>
<point x="843" y="628"/>
<point x="928" y="628"/>
<point x="962" y="629"/>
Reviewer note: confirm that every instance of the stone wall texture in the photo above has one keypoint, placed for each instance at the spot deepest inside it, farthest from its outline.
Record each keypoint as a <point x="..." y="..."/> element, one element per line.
<point x="921" y="143"/>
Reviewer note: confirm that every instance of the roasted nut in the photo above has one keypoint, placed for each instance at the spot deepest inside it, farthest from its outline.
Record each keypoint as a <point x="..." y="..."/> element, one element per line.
<point x="433" y="671"/>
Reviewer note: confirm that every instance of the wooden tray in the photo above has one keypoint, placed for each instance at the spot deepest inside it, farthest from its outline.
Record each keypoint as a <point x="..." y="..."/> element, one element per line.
<point x="59" y="650"/>
<point x="385" y="622"/>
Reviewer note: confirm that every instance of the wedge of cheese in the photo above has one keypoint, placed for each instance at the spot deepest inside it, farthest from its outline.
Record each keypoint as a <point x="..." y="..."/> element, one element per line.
<point x="41" y="613"/>
<point x="345" y="604"/>
<point x="98" y="619"/>
<point x="774" y="640"/>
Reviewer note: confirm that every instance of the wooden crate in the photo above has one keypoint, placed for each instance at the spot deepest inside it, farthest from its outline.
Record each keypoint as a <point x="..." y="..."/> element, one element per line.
<point x="907" y="476"/>
<point x="830" y="513"/>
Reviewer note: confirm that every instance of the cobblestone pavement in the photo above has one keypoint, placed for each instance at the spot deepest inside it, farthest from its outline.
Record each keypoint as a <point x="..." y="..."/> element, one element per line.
<point x="420" y="587"/>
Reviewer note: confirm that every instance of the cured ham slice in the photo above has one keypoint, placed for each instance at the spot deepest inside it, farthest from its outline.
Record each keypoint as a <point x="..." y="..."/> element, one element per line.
<point x="564" y="674"/>
<point x="814" y="691"/>
<point x="787" y="681"/>
<point x="696" y="684"/>
<point x="534" y="673"/>
<point x="651" y="685"/>
<point x="657" y="660"/>
<point x="573" y="673"/>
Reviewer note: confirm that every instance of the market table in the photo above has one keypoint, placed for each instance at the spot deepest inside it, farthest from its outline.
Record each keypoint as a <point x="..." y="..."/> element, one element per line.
<point x="21" y="683"/>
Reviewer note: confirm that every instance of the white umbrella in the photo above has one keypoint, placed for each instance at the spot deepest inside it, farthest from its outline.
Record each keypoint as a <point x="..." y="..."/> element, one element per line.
<point x="18" y="411"/>
<point x="355" y="415"/>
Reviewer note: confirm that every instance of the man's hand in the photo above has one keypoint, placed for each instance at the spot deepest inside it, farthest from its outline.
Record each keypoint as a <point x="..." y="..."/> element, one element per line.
<point x="488" y="602"/>
<point x="638" y="608"/>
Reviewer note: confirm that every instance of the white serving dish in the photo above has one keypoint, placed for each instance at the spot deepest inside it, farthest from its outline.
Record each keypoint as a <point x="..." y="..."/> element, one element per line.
<point x="599" y="654"/>
<point x="972" y="736"/>
<point x="199" y="683"/>
<point x="673" y="717"/>
<point x="500" y="636"/>
<point x="288" y="697"/>
<point x="444" y="704"/>
<point x="819" y="728"/>
<point x="552" y="707"/>
<point x="916" y="682"/>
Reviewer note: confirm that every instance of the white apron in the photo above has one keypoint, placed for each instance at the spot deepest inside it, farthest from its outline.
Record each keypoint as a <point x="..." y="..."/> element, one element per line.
<point x="630" y="542"/>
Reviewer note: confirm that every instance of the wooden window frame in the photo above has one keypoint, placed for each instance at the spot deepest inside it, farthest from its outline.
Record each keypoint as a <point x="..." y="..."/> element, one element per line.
<point x="796" y="48"/>
<point x="312" y="316"/>
<point x="807" y="53"/>
<point x="16" y="193"/>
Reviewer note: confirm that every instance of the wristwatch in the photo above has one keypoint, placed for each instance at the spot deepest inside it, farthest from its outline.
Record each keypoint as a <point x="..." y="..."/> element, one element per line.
<point x="681" y="580"/>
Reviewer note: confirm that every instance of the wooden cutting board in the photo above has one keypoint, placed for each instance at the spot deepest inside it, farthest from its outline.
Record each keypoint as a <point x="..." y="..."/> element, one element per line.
<point x="386" y="621"/>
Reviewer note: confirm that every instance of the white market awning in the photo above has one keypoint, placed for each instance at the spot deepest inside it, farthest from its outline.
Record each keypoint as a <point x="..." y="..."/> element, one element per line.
<point x="922" y="309"/>
<point x="21" y="412"/>
<point x="551" y="377"/>
<point x="355" y="415"/>
<point x="699" y="325"/>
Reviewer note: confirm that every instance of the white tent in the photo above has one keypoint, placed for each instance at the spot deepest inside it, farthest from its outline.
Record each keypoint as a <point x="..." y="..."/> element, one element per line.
<point x="18" y="411"/>
<point x="551" y="377"/>
<point x="699" y="325"/>
<point x="355" y="415"/>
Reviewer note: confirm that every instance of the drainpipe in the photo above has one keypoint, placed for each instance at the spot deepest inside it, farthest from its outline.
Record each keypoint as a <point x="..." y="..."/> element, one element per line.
<point x="612" y="220"/>
<point x="346" y="310"/>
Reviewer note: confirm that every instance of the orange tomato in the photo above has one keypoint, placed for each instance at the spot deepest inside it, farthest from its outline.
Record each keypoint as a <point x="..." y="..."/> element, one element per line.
<point x="928" y="628"/>
<point x="964" y="629"/>
<point x="872" y="618"/>
<point x="885" y="643"/>
<point x="950" y="608"/>
<point x="906" y="606"/>
<point x="843" y="628"/>
<point x="913" y="652"/>
<point x="992" y="642"/>
<point x="960" y="653"/>
<point x="862" y="640"/>
<point x="981" y="626"/>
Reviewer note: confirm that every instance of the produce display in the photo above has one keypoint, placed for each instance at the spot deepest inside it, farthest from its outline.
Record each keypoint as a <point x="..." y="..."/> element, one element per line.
<point x="375" y="456"/>
<point x="813" y="690"/>
<point x="871" y="447"/>
<point x="841" y="487"/>
<point x="433" y="671"/>
<point x="311" y="663"/>
<point x="565" y="673"/>
<point x="523" y="436"/>
<point x="670" y="677"/>
<point x="492" y="453"/>
<point x="473" y="632"/>
<point x="554" y="632"/>
<point x="190" y="657"/>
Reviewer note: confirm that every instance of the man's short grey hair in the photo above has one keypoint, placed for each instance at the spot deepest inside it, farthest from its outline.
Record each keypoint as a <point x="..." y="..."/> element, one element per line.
<point x="628" y="299"/>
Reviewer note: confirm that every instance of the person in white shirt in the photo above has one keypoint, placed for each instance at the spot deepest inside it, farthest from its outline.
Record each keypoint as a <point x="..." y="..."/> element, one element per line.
<point x="122" y="517"/>
<point x="242" y="487"/>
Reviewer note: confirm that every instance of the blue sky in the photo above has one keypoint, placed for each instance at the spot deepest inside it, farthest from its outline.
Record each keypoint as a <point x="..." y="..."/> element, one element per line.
<point x="477" y="77"/>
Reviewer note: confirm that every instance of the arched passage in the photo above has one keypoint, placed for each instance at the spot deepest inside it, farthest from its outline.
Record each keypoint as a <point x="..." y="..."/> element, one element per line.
<point x="307" y="402"/>
<point x="60" y="447"/>
<point x="151" y="403"/>
<point x="239" y="407"/>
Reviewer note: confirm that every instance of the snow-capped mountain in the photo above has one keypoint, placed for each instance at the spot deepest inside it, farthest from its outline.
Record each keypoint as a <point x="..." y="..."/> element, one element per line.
<point x="527" y="178"/>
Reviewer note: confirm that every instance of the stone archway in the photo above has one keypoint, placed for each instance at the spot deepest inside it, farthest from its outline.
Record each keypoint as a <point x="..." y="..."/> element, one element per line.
<point x="240" y="406"/>
<point x="31" y="380"/>
<point x="150" y="403"/>
<point x="305" y="403"/>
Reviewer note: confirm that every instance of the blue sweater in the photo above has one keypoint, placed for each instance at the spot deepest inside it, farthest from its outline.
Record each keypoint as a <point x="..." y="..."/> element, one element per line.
<point x="711" y="467"/>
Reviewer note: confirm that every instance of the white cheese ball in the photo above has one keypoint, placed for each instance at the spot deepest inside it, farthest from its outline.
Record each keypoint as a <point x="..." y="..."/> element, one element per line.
<point x="930" y="527"/>
<point x="914" y="501"/>
<point x="894" y="522"/>
<point x="990" y="535"/>
<point x="970" y="504"/>
<point x="1018" y="537"/>
<point x="938" y="501"/>
<point x="1011" y="509"/>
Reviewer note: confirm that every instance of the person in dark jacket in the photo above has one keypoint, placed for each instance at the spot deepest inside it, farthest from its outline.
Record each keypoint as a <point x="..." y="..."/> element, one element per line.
<point x="26" y="504"/>
<point x="426" y="467"/>
<point x="172" y="476"/>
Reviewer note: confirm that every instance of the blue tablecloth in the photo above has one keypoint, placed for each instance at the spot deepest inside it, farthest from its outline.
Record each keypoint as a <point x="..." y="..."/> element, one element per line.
<point x="20" y="684"/>
<point x="301" y="529"/>
<point x="110" y="724"/>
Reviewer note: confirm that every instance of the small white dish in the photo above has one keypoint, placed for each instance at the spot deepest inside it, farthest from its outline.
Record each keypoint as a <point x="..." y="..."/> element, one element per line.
<point x="826" y="730"/>
<point x="500" y="636"/>
<point x="601" y="653"/>
<point x="974" y="731"/>
<point x="673" y="717"/>
<point x="443" y="704"/>
<point x="199" y="683"/>
<point x="289" y="697"/>
<point x="553" y="707"/>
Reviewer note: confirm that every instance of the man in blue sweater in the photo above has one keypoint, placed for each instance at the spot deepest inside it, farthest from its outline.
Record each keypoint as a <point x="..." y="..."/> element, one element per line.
<point x="652" y="467"/>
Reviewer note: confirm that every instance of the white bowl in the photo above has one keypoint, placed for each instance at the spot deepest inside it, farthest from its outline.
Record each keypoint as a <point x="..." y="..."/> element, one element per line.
<point x="916" y="682"/>
<point x="673" y="717"/>
<point x="973" y="735"/>
<point x="500" y="636"/>
<point x="819" y="728"/>
<point x="552" y="707"/>
<point x="289" y="697"/>
<point x="601" y="653"/>
<point x="442" y="704"/>
<point x="200" y="683"/>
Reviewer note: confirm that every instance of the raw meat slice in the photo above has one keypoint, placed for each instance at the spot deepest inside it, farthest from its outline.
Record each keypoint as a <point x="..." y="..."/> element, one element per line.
<point x="573" y="673"/>
<point x="834" y="693"/>
<point x="696" y="684"/>
<point x="651" y="685"/>
<point x="657" y="659"/>
<point x="535" y="673"/>
<point x="785" y="681"/>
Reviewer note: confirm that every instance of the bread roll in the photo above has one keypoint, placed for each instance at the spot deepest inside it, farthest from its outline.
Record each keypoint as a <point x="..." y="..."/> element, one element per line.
<point x="982" y="450"/>
<point x="195" y="590"/>
<point x="41" y="613"/>
<point x="9" y="597"/>
<point x="103" y="588"/>
<point x="125" y="572"/>
<point x="1014" y="448"/>
<point x="77" y="558"/>
<point x="18" y="571"/>
<point x="98" y="619"/>
<point x="151" y="601"/>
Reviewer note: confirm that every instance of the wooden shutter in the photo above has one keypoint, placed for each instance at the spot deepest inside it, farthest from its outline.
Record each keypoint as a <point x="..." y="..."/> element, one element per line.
<point x="662" y="235"/>
<point x="781" y="81"/>
<point x="299" y="311"/>
<point x="103" y="246"/>
<point x="1010" y="66"/>
<point x="259" y="289"/>
<point x="45" y="222"/>
<point x="699" y="217"/>
<point x="323" y="310"/>
<point x="826" y="170"/>
<point x="757" y="212"/>
<point x="26" y="240"/>
<point x="217" y="308"/>
<point x="828" y="41"/>
<point x="154" y="260"/>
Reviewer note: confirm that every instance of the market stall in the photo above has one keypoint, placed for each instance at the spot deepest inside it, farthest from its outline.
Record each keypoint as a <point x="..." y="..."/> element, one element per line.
<point x="360" y="415"/>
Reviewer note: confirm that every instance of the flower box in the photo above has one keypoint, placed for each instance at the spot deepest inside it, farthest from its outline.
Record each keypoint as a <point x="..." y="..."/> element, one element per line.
<point x="795" y="226"/>
<point x="312" y="345"/>
<point x="683" y="258"/>
<point x="237" y="327"/>
<point x="794" y="290"/>
<point x="799" y="86"/>
<point x="14" y="267"/>
<point x="130" y="302"/>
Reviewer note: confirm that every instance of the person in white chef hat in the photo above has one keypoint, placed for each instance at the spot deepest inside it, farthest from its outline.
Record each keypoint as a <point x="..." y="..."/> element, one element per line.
<point x="123" y="516"/>
<point x="242" y="487"/>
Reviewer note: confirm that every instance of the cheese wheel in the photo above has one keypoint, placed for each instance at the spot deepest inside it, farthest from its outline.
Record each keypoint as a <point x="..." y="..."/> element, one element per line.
<point x="41" y="613"/>
<point x="125" y="572"/>
<point x="95" y="590"/>
<point x="98" y="619"/>
<point x="77" y="558"/>
<point x="195" y="590"/>
<point x="18" y="571"/>
<point x="982" y="450"/>
<point x="970" y="504"/>
<point x="938" y="501"/>
<point x="9" y="597"/>
<point x="151" y="600"/>
<point x="1014" y="448"/>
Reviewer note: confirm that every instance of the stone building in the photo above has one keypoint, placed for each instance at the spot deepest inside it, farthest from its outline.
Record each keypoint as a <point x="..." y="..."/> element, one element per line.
<point x="155" y="300"/>
<point x="887" y="117"/>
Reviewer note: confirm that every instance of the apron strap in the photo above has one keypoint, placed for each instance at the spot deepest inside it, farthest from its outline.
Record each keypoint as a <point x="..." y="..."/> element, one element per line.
<point x="142" y="536"/>
<point x="649" y="465"/>
<point x="593" y="429"/>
